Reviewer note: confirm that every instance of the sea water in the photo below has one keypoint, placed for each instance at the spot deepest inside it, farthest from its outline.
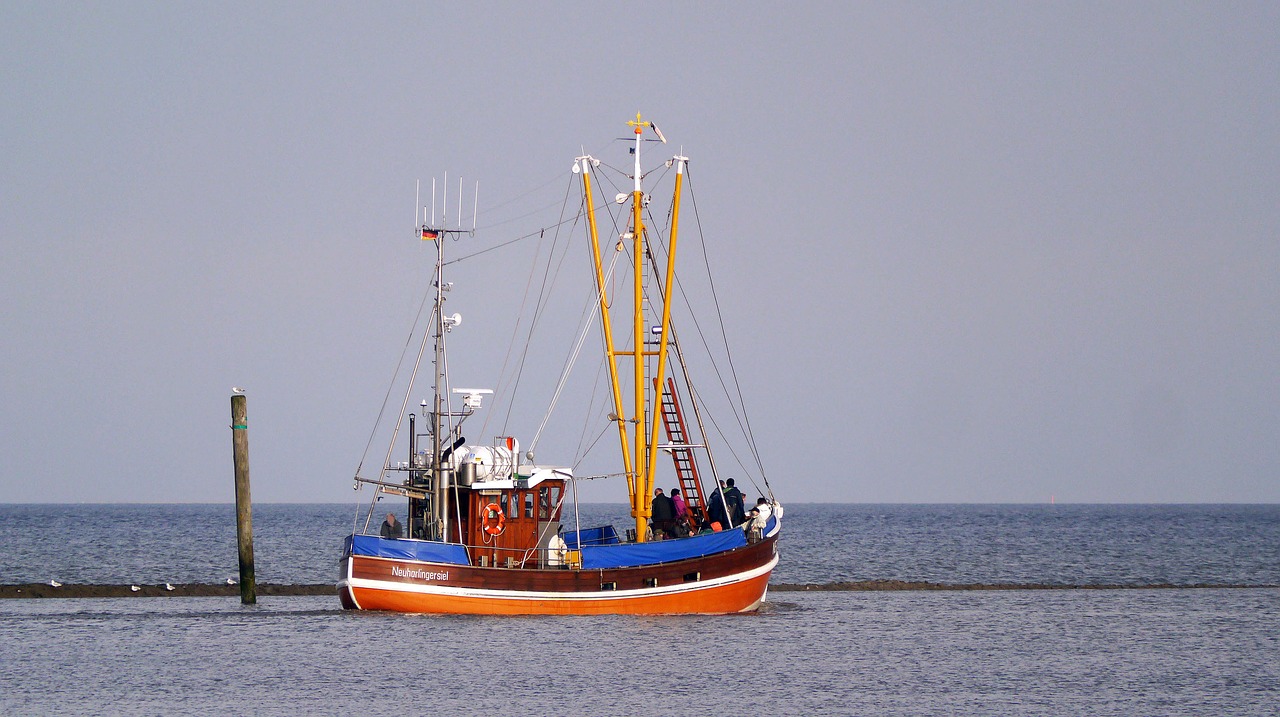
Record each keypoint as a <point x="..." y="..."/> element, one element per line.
<point x="1061" y="652"/>
<point x="821" y="543"/>
<point x="1072" y="651"/>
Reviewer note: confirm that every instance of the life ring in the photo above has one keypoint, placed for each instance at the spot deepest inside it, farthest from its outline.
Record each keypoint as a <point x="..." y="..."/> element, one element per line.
<point x="495" y="521"/>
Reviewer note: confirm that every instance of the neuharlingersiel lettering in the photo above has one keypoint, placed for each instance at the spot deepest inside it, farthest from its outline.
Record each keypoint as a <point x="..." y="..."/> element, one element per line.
<point x="419" y="574"/>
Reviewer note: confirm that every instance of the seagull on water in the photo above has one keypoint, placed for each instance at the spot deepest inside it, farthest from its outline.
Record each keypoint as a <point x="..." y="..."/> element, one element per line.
<point x="231" y="581"/>
<point x="55" y="583"/>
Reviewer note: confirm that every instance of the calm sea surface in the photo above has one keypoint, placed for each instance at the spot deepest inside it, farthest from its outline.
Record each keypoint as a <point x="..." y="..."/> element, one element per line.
<point x="1062" y="652"/>
<point x="1054" y="544"/>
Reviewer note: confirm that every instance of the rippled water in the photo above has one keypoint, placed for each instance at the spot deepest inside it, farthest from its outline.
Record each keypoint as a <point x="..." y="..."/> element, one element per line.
<point x="1048" y="652"/>
<point x="1072" y="652"/>
<point x="1054" y="544"/>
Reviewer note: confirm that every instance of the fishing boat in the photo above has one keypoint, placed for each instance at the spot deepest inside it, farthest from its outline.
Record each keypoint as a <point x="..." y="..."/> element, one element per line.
<point x="490" y="530"/>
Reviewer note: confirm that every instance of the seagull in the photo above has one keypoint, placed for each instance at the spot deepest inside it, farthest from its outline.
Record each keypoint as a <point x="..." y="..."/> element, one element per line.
<point x="237" y="389"/>
<point x="231" y="581"/>
<point x="134" y="588"/>
<point x="55" y="583"/>
<point x="167" y="586"/>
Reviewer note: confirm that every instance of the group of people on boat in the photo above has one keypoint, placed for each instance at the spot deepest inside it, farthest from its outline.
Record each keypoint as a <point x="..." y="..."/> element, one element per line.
<point x="669" y="516"/>
<point x="672" y="518"/>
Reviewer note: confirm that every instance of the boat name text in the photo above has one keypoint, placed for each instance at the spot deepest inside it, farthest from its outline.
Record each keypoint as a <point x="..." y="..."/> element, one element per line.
<point x="418" y="574"/>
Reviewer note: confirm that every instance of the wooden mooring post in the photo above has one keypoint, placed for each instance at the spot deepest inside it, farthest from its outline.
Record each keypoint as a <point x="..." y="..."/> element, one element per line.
<point x="244" y="517"/>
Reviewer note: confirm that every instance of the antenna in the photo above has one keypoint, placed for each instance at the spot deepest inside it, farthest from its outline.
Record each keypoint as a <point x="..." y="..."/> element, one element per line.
<point x="444" y="203"/>
<point x="417" y="197"/>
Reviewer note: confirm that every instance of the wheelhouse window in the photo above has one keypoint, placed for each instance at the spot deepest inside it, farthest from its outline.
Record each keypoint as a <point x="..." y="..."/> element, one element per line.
<point x="549" y="502"/>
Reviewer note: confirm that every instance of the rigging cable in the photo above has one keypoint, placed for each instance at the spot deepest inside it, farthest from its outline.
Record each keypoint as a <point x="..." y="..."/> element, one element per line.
<point x="524" y="301"/>
<point x="698" y="401"/>
<point x="573" y="356"/>
<point x="583" y="455"/>
<point x="549" y="280"/>
<point x="537" y="313"/>
<point x="534" y="233"/>
<point x="386" y="399"/>
<point x="408" y="391"/>
<point x="749" y="434"/>
<point x="723" y="385"/>
<point x="537" y="232"/>
<point x="586" y="422"/>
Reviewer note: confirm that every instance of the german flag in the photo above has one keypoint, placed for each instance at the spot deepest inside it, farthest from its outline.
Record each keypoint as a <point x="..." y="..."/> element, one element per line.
<point x="430" y="234"/>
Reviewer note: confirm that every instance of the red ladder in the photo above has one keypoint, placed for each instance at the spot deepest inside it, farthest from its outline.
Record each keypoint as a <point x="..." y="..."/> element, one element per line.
<point x="686" y="464"/>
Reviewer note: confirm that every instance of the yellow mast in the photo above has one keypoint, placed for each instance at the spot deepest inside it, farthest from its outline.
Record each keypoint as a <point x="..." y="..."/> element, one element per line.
<point x="638" y="465"/>
<point x="606" y="326"/>
<point x="641" y="499"/>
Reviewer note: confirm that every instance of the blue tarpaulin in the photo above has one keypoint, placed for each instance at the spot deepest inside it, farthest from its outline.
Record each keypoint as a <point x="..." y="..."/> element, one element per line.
<point x="660" y="551"/>
<point x="423" y="550"/>
<point x="604" y="535"/>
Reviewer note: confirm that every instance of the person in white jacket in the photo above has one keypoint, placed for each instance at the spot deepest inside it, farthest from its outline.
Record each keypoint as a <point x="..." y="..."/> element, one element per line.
<point x="759" y="515"/>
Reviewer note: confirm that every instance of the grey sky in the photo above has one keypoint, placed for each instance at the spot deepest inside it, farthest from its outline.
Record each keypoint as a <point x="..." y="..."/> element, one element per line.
<point x="971" y="252"/>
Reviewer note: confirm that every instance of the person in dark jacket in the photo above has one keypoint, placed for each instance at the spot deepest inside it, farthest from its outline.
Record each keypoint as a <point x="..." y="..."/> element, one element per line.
<point x="391" y="527"/>
<point x="734" y="498"/>
<point x="716" y="508"/>
<point x="663" y="515"/>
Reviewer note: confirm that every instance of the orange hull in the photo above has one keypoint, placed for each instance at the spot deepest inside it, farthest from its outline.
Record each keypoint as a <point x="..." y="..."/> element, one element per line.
<point x="740" y="596"/>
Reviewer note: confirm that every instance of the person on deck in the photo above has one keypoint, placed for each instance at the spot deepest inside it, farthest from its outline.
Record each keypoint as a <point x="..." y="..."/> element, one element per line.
<point x="663" y="515"/>
<point x="734" y="498"/>
<point x="760" y="514"/>
<point x="391" y="527"/>
<point x="682" y="508"/>
<point x="717" y="516"/>
<point x="682" y="513"/>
